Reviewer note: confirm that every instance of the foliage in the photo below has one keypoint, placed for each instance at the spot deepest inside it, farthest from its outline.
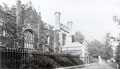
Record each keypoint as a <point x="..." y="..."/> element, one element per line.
<point x="108" y="52"/>
<point x="47" y="37"/>
<point x="53" y="61"/>
<point x="78" y="37"/>
<point x="96" y="48"/>
<point x="57" y="43"/>
<point x="51" y="43"/>
<point x="118" y="54"/>
<point x="50" y="39"/>
<point x="11" y="37"/>
<point x="117" y="58"/>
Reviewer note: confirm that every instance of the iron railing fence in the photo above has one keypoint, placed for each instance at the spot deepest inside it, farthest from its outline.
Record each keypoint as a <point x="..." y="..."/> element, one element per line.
<point x="16" y="58"/>
<point x="12" y="58"/>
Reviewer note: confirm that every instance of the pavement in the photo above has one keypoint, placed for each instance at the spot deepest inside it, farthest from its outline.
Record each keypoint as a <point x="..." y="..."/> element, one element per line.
<point x="100" y="66"/>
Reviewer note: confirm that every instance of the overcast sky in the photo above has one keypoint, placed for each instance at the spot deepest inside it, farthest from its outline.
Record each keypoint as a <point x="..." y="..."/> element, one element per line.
<point x="93" y="18"/>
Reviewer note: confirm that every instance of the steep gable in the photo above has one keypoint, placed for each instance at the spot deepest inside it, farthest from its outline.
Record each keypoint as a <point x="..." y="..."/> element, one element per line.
<point x="30" y="14"/>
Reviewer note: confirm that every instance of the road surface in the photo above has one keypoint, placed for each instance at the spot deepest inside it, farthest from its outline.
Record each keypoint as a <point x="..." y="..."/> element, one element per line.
<point x="101" y="66"/>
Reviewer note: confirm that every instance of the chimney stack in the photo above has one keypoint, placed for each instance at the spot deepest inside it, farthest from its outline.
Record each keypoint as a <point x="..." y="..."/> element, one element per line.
<point x="69" y="37"/>
<point x="69" y="25"/>
<point x="57" y="20"/>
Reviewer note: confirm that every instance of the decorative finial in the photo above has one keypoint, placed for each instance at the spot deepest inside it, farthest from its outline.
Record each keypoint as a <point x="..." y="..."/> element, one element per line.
<point x="18" y="1"/>
<point x="39" y="10"/>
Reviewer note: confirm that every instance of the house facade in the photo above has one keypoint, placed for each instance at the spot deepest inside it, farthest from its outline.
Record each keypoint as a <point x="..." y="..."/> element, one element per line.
<point x="28" y="22"/>
<point x="37" y="34"/>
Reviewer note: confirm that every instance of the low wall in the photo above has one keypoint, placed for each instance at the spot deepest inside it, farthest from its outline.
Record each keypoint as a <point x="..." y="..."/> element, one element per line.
<point x="12" y="58"/>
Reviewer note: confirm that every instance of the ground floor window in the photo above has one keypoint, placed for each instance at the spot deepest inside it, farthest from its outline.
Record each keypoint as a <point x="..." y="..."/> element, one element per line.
<point x="28" y="39"/>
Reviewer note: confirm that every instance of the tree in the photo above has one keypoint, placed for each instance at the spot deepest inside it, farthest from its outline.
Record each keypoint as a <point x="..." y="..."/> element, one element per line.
<point x="78" y="37"/>
<point x="47" y="37"/>
<point x="11" y="38"/>
<point x="108" y="51"/>
<point x="118" y="55"/>
<point x="94" y="48"/>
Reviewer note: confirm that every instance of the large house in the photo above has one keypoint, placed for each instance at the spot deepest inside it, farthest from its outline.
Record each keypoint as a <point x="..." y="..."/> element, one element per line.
<point x="29" y="20"/>
<point x="39" y="35"/>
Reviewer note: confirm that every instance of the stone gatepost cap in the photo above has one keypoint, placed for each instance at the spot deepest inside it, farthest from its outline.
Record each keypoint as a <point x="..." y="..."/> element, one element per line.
<point x="57" y="13"/>
<point x="18" y="0"/>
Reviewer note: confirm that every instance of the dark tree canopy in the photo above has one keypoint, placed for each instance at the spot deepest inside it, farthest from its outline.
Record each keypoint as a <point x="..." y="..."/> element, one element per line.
<point x="96" y="48"/>
<point x="11" y="37"/>
<point x="78" y="37"/>
<point x="108" y="51"/>
<point x="118" y="54"/>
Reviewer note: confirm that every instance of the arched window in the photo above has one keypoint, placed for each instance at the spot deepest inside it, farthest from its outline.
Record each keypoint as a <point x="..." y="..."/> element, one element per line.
<point x="28" y="39"/>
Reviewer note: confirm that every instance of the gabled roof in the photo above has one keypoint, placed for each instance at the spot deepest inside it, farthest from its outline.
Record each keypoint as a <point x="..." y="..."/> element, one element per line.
<point x="28" y="5"/>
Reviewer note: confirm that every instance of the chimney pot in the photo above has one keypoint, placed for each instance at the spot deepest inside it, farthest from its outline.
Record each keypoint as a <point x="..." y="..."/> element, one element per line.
<point x="57" y="20"/>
